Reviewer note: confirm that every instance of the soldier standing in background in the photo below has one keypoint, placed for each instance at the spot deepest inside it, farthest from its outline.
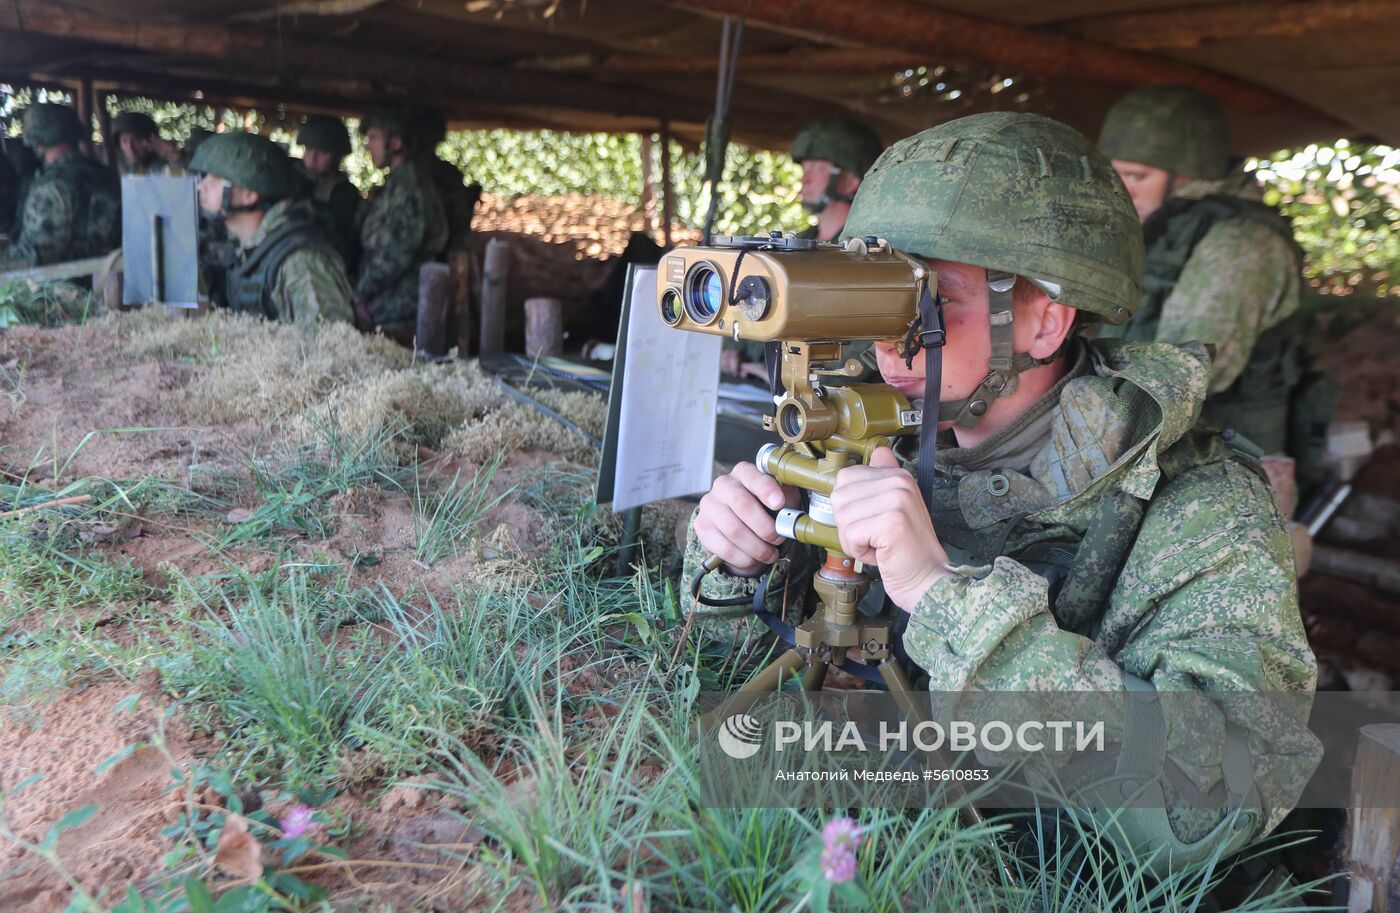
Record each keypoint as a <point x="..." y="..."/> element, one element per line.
<point x="1221" y="266"/>
<point x="402" y="227"/>
<point x="326" y="143"/>
<point x="286" y="268"/>
<point x="72" y="208"/>
<point x="140" y="147"/>
<point x="834" y="153"/>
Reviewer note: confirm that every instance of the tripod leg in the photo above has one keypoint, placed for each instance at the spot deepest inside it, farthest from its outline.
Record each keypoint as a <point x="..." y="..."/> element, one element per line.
<point x="903" y="693"/>
<point x="770" y="679"/>
<point x="815" y="675"/>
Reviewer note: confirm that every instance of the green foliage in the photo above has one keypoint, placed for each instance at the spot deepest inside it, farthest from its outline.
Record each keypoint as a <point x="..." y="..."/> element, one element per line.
<point x="48" y="304"/>
<point x="1344" y="201"/>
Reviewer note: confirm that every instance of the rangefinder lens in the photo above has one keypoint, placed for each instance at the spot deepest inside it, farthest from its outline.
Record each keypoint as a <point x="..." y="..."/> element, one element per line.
<point x="704" y="293"/>
<point x="671" y="311"/>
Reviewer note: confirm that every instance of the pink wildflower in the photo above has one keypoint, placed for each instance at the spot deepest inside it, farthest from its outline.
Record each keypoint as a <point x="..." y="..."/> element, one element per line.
<point x="297" y="821"/>
<point x="840" y="838"/>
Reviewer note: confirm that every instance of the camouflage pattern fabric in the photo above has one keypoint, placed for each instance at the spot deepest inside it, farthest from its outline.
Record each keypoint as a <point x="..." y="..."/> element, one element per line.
<point x="71" y="210"/>
<point x="1136" y="547"/>
<point x="311" y="285"/>
<point x="403" y="226"/>
<point x="338" y="203"/>
<point x="1242" y="279"/>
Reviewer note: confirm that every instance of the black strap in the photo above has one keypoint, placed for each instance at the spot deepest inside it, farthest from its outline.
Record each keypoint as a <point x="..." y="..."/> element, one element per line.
<point x="931" y="336"/>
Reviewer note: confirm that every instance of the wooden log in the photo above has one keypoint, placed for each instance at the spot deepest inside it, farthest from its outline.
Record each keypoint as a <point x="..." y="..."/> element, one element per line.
<point x="1190" y="27"/>
<point x="544" y="327"/>
<point x="434" y="298"/>
<point x="495" y="274"/>
<point x="1375" y="821"/>
<point x="807" y="60"/>
<point x="271" y="52"/>
<point x="460" y="264"/>
<point x="70" y="269"/>
<point x="1367" y="569"/>
<point x="919" y="28"/>
<point x="667" y="203"/>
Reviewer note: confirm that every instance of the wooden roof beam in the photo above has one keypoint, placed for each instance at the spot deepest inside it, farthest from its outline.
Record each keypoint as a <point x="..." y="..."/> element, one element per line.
<point x="270" y="53"/>
<point x="953" y="37"/>
<point x="817" y="60"/>
<point x="1190" y="27"/>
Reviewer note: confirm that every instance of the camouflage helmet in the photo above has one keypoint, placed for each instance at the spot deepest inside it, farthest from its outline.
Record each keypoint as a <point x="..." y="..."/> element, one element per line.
<point x="1175" y="128"/>
<point x="133" y="122"/>
<point x="1012" y="193"/>
<point x="249" y="161"/>
<point x="848" y="144"/>
<point x="48" y="124"/>
<point x="320" y="131"/>
<point x="394" y="121"/>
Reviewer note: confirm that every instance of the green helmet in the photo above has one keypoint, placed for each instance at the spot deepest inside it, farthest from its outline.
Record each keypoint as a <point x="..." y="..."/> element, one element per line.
<point x="324" y="132"/>
<point x="1175" y="128"/>
<point x="394" y="121"/>
<point x="133" y="122"/>
<point x="249" y="161"/>
<point x="1018" y="195"/>
<point x="848" y="144"/>
<point x="48" y="124"/>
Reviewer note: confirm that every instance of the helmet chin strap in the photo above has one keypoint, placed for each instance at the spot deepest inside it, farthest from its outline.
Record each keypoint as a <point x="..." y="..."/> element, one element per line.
<point x="1004" y="366"/>
<point x="829" y="195"/>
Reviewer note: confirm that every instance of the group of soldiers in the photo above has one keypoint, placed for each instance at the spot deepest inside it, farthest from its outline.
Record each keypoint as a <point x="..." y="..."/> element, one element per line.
<point x="291" y="240"/>
<point x="1086" y="530"/>
<point x="1119" y="356"/>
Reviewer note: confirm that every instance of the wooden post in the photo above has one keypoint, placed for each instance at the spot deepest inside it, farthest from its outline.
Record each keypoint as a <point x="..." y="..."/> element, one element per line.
<point x="1375" y="821"/>
<point x="544" y="327"/>
<point x="667" y="207"/>
<point x="494" y="275"/>
<point x="104" y="127"/>
<point x="83" y="104"/>
<point x="434" y="295"/>
<point x="648" y="184"/>
<point x="460" y="264"/>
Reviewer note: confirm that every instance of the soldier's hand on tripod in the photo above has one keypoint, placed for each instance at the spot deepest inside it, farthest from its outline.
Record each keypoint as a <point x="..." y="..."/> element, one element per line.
<point x="882" y="521"/>
<point x="735" y="520"/>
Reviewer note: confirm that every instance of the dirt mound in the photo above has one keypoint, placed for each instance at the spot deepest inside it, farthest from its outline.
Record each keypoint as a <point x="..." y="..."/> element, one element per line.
<point x="593" y="226"/>
<point x="96" y="746"/>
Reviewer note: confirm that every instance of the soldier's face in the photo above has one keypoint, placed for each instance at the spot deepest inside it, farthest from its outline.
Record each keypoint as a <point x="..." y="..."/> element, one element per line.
<point x="319" y="161"/>
<point x="1146" y="185"/>
<point x="211" y="194"/>
<point x="137" y="150"/>
<point x="967" y="320"/>
<point x="815" y="175"/>
<point x="1039" y="328"/>
<point x="378" y="145"/>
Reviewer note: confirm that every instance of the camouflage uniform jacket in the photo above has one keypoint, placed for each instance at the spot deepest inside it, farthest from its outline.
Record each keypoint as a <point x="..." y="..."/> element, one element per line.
<point x="402" y="227"/>
<point x="337" y="203"/>
<point x="72" y="210"/>
<point x="310" y="285"/>
<point x="1135" y="549"/>
<point x="1242" y="279"/>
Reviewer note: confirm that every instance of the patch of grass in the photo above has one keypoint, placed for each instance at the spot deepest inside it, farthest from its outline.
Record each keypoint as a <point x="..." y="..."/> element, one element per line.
<point x="442" y="519"/>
